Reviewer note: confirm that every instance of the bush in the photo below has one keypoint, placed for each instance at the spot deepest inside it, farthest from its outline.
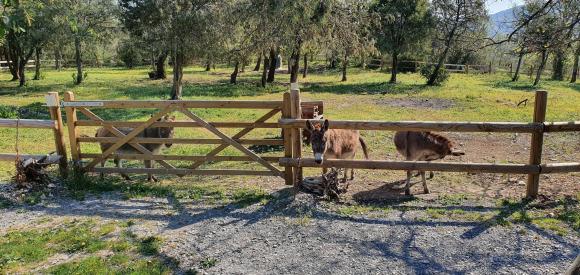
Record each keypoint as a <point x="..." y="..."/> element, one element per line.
<point x="129" y="54"/>
<point x="428" y="69"/>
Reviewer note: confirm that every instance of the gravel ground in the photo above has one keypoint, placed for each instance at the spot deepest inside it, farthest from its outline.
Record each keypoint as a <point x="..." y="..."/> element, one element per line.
<point x="304" y="236"/>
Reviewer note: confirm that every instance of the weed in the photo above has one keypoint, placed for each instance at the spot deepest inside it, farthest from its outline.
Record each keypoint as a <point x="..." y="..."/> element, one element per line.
<point x="208" y="263"/>
<point x="150" y="246"/>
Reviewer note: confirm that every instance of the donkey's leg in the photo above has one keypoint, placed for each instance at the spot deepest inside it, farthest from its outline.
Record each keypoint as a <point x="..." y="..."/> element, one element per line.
<point x="425" y="189"/>
<point x="120" y="165"/>
<point x="102" y="175"/>
<point x="150" y="177"/>
<point x="408" y="183"/>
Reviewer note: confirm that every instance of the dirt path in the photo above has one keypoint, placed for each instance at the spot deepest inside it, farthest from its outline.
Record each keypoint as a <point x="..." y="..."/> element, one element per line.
<point x="302" y="235"/>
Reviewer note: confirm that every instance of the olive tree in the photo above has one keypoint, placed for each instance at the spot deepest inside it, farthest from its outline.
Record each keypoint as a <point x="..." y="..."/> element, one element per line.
<point x="401" y="25"/>
<point x="456" y="21"/>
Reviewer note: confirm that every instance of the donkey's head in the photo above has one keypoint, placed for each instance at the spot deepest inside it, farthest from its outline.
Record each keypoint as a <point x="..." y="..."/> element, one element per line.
<point x="317" y="139"/>
<point x="166" y="132"/>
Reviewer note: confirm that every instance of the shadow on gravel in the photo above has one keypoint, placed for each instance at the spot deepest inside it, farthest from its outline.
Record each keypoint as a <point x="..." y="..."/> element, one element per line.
<point x="403" y="246"/>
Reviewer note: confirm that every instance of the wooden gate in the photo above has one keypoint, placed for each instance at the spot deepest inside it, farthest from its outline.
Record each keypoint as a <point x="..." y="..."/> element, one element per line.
<point x="88" y="162"/>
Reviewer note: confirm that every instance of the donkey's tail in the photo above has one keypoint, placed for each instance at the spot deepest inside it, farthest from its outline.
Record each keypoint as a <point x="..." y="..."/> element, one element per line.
<point x="364" y="147"/>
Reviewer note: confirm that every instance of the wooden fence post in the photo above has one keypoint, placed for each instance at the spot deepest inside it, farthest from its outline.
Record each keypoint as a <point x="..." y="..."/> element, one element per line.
<point x="73" y="134"/>
<point x="53" y="103"/>
<point x="296" y="113"/>
<point x="288" y="142"/>
<point x="467" y="69"/>
<point x="537" y="143"/>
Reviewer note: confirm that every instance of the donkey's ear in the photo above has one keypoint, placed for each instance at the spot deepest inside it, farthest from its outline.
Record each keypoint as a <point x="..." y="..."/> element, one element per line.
<point x="309" y="126"/>
<point x="326" y="124"/>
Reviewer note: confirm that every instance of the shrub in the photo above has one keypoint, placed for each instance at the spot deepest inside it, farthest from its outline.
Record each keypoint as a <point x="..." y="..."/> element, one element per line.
<point x="129" y="54"/>
<point x="428" y="69"/>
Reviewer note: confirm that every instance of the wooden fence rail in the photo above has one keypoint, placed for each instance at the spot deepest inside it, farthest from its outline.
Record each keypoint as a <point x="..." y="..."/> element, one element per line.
<point x="533" y="168"/>
<point x="55" y="124"/>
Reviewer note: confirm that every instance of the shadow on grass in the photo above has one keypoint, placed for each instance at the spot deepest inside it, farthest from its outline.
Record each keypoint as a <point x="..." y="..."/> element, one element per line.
<point x="365" y="88"/>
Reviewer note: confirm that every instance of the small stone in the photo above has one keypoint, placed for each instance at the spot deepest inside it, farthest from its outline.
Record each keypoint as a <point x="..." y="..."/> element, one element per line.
<point x="50" y="185"/>
<point x="551" y="215"/>
<point x="521" y="182"/>
<point x="512" y="180"/>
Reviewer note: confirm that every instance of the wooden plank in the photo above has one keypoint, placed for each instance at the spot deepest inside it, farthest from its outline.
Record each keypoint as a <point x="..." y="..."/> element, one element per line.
<point x="182" y="141"/>
<point x="158" y="104"/>
<point x="533" y="184"/>
<point x="180" y="157"/>
<point x="187" y="124"/>
<point x="443" y="126"/>
<point x="27" y="123"/>
<point x="563" y="126"/>
<point x="415" y="165"/>
<point x="73" y="133"/>
<point x="129" y="136"/>
<point x="287" y="135"/>
<point x="238" y="135"/>
<point x="56" y="116"/>
<point x="232" y="142"/>
<point x="296" y="113"/>
<point x="560" y="167"/>
<point x="183" y="172"/>
<point x="120" y="134"/>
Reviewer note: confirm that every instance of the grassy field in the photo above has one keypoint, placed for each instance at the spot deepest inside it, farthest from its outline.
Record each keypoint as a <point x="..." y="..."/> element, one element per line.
<point x="366" y="95"/>
<point x="109" y="246"/>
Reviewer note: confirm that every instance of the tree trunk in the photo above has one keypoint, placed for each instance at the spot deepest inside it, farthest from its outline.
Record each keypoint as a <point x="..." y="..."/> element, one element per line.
<point x="575" y="66"/>
<point x="518" y="67"/>
<point x="272" y="70"/>
<point x="295" y="66"/>
<point x="440" y="63"/>
<point x="177" y="89"/>
<point x="265" y="72"/>
<point x="12" y="59"/>
<point x="394" y="68"/>
<point x="37" y="64"/>
<point x="79" y="61"/>
<point x="541" y="67"/>
<point x="257" y="68"/>
<point x="13" y="65"/>
<point x="21" y="72"/>
<point x="208" y="65"/>
<point x="243" y="70"/>
<point x="305" y="70"/>
<point x="558" y="65"/>
<point x="234" y="75"/>
<point x="344" y="65"/>
<point x="160" y="65"/>
<point x="57" y="58"/>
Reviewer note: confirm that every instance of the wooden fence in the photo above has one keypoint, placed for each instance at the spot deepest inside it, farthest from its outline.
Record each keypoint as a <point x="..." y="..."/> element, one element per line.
<point x="55" y="124"/>
<point x="534" y="168"/>
<point x="290" y="121"/>
<point x="73" y="107"/>
<point x="415" y="66"/>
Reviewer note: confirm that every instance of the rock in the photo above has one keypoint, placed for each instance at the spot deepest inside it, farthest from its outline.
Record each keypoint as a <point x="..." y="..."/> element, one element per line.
<point x="511" y="180"/>
<point x="521" y="182"/>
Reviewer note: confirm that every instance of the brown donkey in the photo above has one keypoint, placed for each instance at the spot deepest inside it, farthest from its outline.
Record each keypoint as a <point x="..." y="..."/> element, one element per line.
<point x="334" y="144"/>
<point x="150" y="132"/>
<point x="423" y="146"/>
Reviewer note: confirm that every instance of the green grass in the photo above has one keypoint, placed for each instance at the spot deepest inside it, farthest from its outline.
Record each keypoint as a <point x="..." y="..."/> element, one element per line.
<point x="21" y="250"/>
<point x="560" y="216"/>
<point x="362" y="209"/>
<point x="474" y="98"/>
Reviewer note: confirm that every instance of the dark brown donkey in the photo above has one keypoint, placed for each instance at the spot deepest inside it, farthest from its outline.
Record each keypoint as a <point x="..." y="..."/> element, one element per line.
<point x="150" y="132"/>
<point x="423" y="146"/>
<point x="334" y="144"/>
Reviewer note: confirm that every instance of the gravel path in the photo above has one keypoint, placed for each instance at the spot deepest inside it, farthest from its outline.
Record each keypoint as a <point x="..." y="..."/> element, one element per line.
<point x="301" y="236"/>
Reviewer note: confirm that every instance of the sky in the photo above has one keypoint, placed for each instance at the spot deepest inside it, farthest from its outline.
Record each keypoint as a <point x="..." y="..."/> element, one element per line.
<point x="495" y="6"/>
